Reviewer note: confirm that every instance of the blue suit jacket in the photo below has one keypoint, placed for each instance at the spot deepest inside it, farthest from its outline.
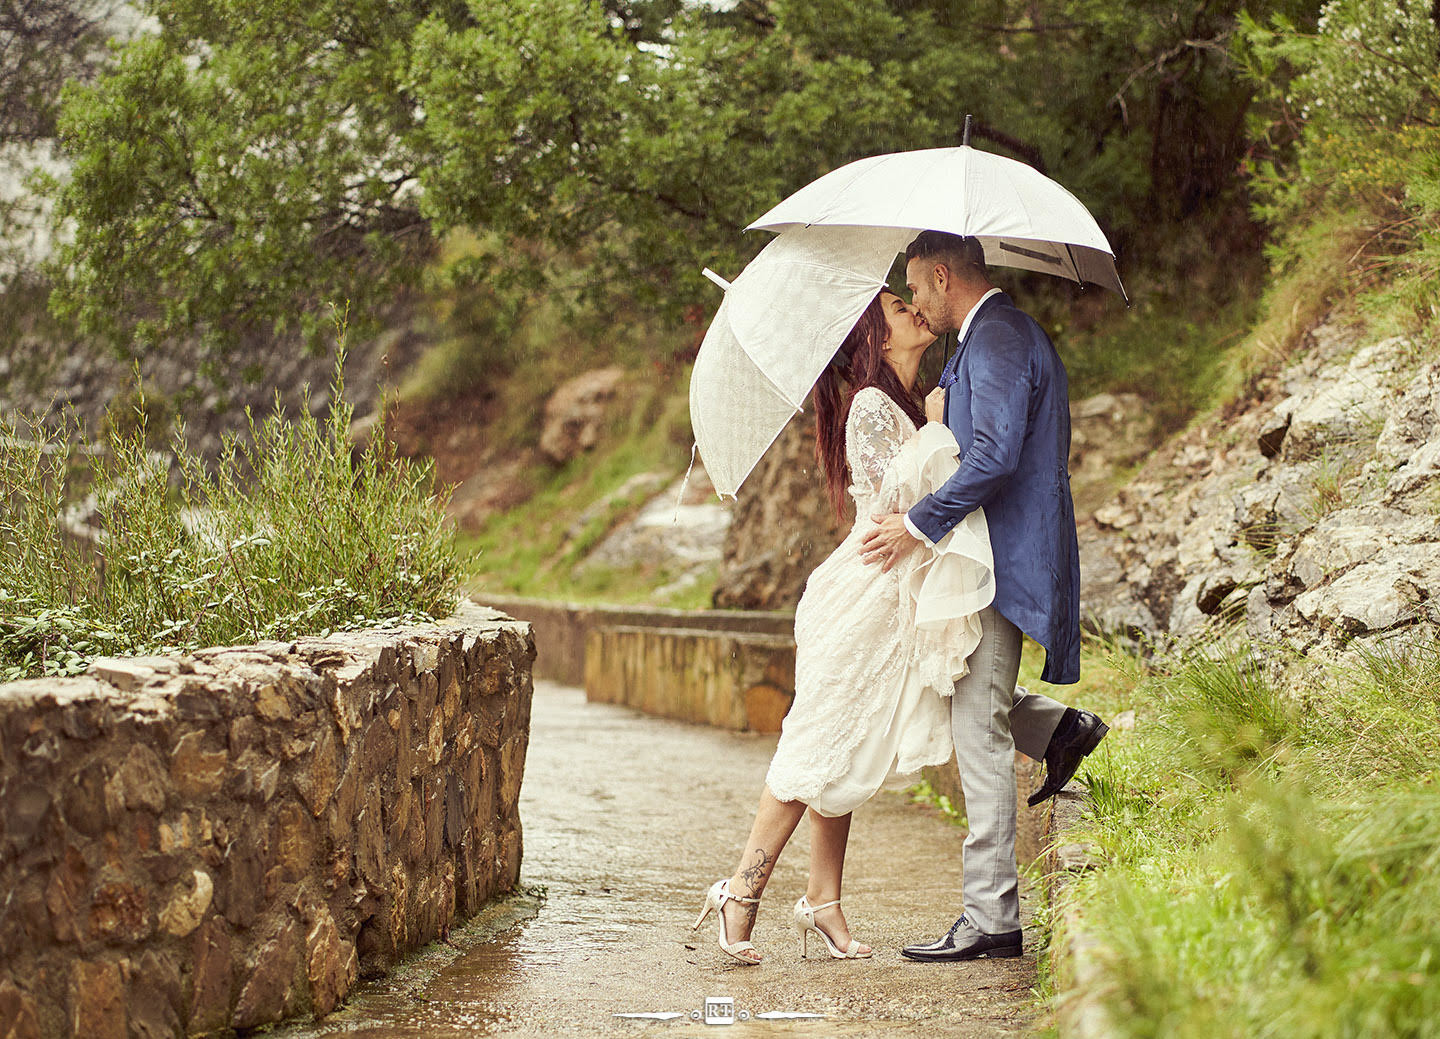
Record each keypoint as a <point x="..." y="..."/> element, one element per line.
<point x="1008" y="405"/>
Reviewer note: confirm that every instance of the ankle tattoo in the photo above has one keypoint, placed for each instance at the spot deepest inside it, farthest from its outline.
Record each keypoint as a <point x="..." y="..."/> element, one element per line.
<point x="754" y="876"/>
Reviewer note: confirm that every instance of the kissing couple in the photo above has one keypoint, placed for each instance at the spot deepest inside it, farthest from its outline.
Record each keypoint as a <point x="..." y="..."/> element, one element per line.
<point x="908" y="636"/>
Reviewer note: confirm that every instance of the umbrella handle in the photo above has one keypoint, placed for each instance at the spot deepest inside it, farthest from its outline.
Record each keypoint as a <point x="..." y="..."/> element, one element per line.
<point x="724" y="285"/>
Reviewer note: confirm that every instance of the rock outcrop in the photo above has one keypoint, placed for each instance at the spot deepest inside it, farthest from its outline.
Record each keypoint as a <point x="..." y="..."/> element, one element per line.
<point x="487" y="476"/>
<point x="576" y="413"/>
<point x="1309" y="513"/>
<point x="784" y="526"/>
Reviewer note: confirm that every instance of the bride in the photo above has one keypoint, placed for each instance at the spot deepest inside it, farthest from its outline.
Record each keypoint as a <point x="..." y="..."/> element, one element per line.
<point x="876" y="652"/>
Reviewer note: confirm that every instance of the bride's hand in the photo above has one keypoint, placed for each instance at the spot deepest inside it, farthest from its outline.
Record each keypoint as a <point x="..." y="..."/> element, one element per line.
<point x="935" y="405"/>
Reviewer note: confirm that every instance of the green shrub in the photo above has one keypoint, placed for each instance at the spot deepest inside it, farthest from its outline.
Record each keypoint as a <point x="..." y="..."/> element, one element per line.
<point x="1225" y="712"/>
<point x="293" y="533"/>
<point x="1352" y="126"/>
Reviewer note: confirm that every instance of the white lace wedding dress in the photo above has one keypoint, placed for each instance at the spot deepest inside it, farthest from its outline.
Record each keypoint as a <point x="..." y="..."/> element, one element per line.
<point x="877" y="653"/>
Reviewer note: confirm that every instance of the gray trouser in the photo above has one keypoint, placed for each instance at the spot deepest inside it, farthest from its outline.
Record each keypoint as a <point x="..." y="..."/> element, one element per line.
<point x="990" y="719"/>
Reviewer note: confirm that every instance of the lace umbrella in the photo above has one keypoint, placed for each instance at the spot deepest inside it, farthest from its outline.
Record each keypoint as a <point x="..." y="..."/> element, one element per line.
<point x="778" y="326"/>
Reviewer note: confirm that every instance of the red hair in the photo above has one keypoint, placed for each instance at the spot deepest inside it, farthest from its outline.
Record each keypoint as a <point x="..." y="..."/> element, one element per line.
<point x="860" y="363"/>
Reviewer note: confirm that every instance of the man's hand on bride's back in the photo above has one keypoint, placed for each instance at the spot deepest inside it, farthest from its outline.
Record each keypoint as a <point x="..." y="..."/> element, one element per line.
<point x="935" y="405"/>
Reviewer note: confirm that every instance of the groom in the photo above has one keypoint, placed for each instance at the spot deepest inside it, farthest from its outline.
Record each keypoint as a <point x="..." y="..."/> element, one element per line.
<point x="1006" y="401"/>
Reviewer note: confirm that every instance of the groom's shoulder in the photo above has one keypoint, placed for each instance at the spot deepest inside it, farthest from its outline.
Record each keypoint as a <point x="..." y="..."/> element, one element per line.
<point x="1001" y="308"/>
<point x="1003" y="319"/>
<point x="1006" y="326"/>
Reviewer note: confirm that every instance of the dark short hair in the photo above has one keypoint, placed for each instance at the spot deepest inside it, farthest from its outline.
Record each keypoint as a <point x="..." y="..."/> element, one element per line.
<point x="955" y="251"/>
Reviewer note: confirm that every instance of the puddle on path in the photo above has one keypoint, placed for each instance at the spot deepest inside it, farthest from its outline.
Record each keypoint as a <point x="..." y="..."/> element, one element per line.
<point x="627" y="820"/>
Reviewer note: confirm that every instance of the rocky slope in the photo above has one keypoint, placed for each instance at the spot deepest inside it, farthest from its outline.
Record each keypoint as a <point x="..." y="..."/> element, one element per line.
<point x="1307" y="514"/>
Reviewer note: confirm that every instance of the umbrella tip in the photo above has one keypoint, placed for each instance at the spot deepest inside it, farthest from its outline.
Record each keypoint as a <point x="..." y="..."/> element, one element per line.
<point x="724" y="285"/>
<point x="965" y="134"/>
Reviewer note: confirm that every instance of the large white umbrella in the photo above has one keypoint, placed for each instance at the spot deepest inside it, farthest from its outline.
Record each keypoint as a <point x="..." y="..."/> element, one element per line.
<point x="780" y="323"/>
<point x="1022" y="217"/>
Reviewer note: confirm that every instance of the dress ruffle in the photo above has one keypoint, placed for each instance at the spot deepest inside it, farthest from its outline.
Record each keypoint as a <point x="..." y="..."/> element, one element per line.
<point x="942" y="596"/>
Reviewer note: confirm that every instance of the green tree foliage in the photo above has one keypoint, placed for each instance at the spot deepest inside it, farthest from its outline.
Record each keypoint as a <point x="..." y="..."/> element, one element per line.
<point x="1351" y="124"/>
<point x="247" y="156"/>
<point x="256" y="158"/>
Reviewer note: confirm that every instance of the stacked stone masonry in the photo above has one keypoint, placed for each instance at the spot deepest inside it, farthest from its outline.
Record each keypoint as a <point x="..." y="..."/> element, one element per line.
<point x="219" y="841"/>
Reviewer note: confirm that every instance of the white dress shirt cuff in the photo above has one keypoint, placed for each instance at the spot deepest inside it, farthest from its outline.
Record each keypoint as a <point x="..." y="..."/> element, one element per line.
<point x="916" y="532"/>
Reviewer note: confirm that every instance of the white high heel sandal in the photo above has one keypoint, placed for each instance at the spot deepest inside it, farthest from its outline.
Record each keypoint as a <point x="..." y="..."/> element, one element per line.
<point x="805" y="923"/>
<point x="715" y="899"/>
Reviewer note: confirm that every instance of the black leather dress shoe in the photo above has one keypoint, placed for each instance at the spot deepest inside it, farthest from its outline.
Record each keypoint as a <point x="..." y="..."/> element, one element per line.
<point x="1078" y="733"/>
<point x="965" y="941"/>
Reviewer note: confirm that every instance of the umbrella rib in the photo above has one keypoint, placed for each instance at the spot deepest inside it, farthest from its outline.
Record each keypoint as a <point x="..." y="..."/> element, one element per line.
<point x="840" y="191"/>
<point x="1073" y="264"/>
<point x="936" y="160"/>
<point x="770" y="443"/>
<point x="778" y="388"/>
<point x="878" y="281"/>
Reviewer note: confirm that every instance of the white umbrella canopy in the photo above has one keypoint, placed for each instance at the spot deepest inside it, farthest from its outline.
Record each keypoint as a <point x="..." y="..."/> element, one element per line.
<point x="780" y="323"/>
<point x="1022" y="217"/>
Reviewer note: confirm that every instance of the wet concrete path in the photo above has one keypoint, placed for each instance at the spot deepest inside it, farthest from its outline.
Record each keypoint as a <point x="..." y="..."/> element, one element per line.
<point x="627" y="820"/>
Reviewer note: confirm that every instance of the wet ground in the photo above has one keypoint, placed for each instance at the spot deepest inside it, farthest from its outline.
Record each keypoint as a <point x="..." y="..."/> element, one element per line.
<point x="627" y="820"/>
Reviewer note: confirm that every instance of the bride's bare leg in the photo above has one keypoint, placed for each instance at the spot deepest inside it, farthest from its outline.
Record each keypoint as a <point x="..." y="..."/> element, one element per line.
<point x="775" y="821"/>
<point x="828" y="837"/>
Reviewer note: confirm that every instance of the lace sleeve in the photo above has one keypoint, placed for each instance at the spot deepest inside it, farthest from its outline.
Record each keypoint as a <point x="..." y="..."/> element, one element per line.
<point x="874" y="432"/>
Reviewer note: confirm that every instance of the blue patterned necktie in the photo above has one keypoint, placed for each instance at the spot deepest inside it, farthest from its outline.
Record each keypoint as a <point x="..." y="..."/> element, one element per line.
<point x="951" y="372"/>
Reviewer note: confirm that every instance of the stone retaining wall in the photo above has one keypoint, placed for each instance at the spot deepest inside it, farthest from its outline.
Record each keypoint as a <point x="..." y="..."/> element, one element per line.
<point x="222" y="840"/>
<point x="1076" y="956"/>
<point x="735" y="680"/>
<point x="562" y="629"/>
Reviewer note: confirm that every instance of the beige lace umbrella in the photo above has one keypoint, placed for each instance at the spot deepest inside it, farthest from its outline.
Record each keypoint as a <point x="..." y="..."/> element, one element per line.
<point x="778" y="326"/>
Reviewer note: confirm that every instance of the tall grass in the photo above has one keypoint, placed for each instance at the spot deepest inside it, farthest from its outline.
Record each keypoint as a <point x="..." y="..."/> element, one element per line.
<point x="1224" y="713"/>
<point x="292" y="532"/>
<point x="1271" y="838"/>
